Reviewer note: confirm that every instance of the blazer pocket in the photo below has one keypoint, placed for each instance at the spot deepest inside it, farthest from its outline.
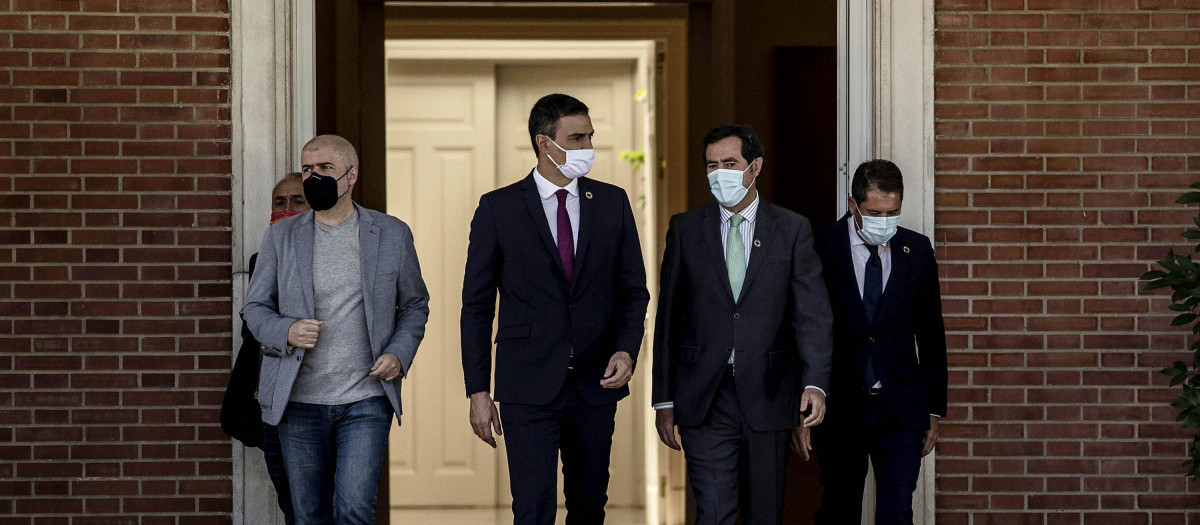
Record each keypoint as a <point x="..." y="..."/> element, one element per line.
<point x="267" y="377"/>
<point x="689" y="354"/>
<point x="505" y="333"/>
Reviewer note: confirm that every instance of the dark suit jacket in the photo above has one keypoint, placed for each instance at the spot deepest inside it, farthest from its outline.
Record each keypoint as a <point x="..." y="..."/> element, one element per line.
<point x="542" y="315"/>
<point x="780" y="323"/>
<point x="907" y="341"/>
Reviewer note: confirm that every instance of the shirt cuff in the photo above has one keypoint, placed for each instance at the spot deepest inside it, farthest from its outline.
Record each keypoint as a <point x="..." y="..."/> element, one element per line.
<point x="666" y="404"/>
<point x="818" y="389"/>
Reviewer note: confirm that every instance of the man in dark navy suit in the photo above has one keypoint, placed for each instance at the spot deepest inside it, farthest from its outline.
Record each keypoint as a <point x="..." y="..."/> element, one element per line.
<point x="889" y="365"/>
<point x="562" y="250"/>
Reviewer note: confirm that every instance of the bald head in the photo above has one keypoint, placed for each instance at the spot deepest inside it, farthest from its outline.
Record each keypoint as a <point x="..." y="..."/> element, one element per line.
<point x="340" y="147"/>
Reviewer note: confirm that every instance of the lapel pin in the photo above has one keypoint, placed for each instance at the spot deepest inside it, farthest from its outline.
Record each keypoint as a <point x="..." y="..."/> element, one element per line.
<point x="587" y="194"/>
<point x="906" y="250"/>
<point x="757" y="243"/>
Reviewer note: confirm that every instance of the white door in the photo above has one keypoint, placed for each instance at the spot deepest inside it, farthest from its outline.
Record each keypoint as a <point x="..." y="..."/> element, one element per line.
<point x="440" y="159"/>
<point x="455" y="130"/>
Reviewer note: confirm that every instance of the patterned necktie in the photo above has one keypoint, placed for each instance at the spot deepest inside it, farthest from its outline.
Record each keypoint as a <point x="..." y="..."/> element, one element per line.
<point x="735" y="256"/>
<point x="872" y="293"/>
<point x="566" y="244"/>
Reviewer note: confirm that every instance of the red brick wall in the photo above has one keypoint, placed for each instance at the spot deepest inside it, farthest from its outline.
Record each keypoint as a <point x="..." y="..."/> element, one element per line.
<point x="114" y="261"/>
<point x="1065" y="130"/>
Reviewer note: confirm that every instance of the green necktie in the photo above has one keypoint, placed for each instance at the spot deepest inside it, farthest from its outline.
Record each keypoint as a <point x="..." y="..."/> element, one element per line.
<point x="735" y="256"/>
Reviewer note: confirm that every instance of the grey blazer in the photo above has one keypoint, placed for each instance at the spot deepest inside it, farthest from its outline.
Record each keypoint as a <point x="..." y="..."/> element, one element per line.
<point x="281" y="293"/>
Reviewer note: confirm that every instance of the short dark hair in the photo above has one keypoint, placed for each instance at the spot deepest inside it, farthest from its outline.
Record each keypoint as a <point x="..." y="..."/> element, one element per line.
<point x="752" y="147"/>
<point x="880" y="174"/>
<point x="544" y="117"/>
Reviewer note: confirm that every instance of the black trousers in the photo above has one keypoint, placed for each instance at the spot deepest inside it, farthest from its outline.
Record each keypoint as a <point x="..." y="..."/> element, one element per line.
<point x="732" y="467"/>
<point x="534" y="435"/>
<point x="866" y="428"/>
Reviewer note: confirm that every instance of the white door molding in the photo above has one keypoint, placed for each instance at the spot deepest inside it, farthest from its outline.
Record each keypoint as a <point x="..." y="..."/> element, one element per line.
<point x="266" y="135"/>
<point x="904" y="103"/>
<point x="885" y="110"/>
<point x="904" y="132"/>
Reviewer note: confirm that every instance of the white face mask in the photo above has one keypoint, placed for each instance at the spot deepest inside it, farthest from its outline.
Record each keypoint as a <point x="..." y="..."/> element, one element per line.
<point x="726" y="186"/>
<point x="579" y="161"/>
<point x="877" y="231"/>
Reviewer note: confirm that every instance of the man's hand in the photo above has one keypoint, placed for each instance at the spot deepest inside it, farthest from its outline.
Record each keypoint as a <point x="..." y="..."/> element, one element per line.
<point x="664" y="420"/>
<point x="620" y="369"/>
<point x="386" y="367"/>
<point x="485" y="418"/>
<point x="931" y="436"/>
<point x="815" y="399"/>
<point x="303" y="333"/>
<point x="802" y="441"/>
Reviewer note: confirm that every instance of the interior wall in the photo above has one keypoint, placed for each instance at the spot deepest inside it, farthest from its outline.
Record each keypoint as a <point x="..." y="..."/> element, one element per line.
<point x="349" y="84"/>
<point x="760" y="27"/>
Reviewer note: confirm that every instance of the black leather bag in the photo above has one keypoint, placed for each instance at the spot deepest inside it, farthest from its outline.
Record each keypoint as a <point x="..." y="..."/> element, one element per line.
<point x="241" y="417"/>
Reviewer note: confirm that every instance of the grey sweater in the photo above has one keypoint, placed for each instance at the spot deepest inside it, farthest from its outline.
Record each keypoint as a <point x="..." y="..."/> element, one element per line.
<point x="336" y="371"/>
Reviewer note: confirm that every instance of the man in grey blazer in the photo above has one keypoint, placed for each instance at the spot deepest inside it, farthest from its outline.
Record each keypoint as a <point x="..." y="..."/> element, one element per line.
<point x="338" y="298"/>
<point x="742" y="344"/>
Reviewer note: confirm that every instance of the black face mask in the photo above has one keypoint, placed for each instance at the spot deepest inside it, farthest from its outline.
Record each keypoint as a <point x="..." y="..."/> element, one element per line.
<point x="321" y="191"/>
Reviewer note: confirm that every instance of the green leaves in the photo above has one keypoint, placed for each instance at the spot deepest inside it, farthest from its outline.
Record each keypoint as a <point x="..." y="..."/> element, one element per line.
<point x="1190" y="197"/>
<point x="1178" y="372"/>
<point x="1182" y="275"/>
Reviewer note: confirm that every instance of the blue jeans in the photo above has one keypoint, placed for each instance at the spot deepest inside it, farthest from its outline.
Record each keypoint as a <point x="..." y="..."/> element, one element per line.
<point x="275" y="467"/>
<point x="334" y="455"/>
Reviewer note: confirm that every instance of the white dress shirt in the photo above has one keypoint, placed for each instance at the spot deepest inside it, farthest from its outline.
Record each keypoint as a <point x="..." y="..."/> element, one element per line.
<point x="546" y="191"/>
<point x="860" y="251"/>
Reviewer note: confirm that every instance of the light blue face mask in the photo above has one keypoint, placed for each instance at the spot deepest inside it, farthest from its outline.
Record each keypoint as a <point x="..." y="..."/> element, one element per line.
<point x="726" y="186"/>
<point x="877" y="231"/>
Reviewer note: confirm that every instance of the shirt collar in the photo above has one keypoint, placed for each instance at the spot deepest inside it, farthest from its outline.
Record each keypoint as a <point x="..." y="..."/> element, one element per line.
<point x="855" y="240"/>
<point x="748" y="213"/>
<point x="546" y="188"/>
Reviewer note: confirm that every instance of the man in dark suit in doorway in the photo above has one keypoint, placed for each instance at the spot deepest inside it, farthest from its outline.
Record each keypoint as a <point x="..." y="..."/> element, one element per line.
<point x="742" y="338"/>
<point x="889" y="368"/>
<point x="562" y="250"/>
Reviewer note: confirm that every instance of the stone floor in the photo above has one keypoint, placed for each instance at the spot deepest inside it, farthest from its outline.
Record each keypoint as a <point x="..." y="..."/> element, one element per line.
<point x="501" y="516"/>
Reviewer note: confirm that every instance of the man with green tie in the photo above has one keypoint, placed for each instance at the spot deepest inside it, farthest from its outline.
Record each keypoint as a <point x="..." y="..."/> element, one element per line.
<point x="742" y="344"/>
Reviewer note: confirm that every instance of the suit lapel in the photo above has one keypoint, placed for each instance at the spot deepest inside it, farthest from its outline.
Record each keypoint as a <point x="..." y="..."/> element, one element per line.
<point x="302" y="239"/>
<point x="586" y="225"/>
<point x="712" y="246"/>
<point x="901" y="265"/>
<point x="764" y="240"/>
<point x="845" y="267"/>
<point x="533" y="203"/>
<point x="368" y="246"/>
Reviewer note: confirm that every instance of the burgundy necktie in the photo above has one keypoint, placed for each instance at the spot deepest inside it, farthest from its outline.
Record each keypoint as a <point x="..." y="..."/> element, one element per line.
<point x="566" y="244"/>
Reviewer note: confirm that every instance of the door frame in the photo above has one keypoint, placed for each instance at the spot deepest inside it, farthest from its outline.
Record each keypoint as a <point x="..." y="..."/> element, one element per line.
<point x="642" y="53"/>
<point x="890" y="71"/>
<point x="269" y="119"/>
